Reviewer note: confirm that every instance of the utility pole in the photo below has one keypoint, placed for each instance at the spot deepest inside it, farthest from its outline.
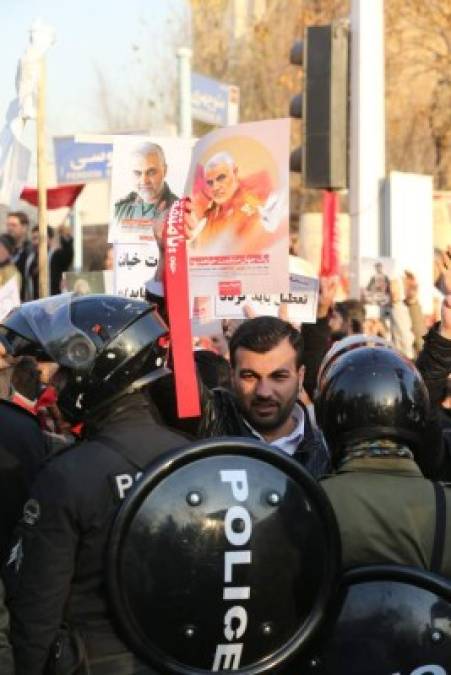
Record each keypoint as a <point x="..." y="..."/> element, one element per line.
<point x="42" y="183"/>
<point x="367" y="132"/>
<point x="42" y="36"/>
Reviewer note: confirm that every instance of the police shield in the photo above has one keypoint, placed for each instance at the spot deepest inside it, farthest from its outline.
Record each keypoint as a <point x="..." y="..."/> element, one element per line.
<point x="394" y="620"/>
<point x="224" y="557"/>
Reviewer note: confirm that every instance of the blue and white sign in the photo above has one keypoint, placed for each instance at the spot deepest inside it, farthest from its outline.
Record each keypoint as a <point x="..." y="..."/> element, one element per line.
<point x="214" y="102"/>
<point x="81" y="162"/>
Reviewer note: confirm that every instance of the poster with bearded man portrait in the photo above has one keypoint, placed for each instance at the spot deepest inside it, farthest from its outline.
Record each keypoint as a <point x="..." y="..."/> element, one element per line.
<point x="148" y="175"/>
<point x="239" y="226"/>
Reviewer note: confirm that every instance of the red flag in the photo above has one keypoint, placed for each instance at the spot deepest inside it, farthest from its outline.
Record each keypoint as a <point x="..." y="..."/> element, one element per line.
<point x="57" y="197"/>
<point x="329" y="252"/>
<point x="177" y="302"/>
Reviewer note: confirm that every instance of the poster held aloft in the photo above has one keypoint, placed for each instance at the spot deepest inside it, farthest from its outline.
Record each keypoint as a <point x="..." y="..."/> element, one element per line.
<point x="376" y="275"/>
<point x="147" y="177"/>
<point x="238" y="232"/>
<point x="301" y="301"/>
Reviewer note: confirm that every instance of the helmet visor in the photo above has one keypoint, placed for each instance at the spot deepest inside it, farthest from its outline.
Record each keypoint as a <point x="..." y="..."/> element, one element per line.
<point x="74" y="331"/>
<point x="45" y="326"/>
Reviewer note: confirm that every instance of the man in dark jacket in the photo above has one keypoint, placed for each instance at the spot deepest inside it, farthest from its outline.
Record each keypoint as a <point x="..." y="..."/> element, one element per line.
<point x="55" y="572"/>
<point x="17" y="225"/>
<point x="434" y="363"/>
<point x="60" y="256"/>
<point x="267" y="375"/>
<point x="61" y="253"/>
<point x="263" y="402"/>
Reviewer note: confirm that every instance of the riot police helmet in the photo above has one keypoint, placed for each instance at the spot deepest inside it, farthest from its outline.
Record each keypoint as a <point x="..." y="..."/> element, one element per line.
<point x="103" y="344"/>
<point x="347" y="344"/>
<point x="371" y="393"/>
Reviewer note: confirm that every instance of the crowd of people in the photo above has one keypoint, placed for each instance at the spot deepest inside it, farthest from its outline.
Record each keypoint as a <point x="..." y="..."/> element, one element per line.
<point x="19" y="246"/>
<point x="88" y="401"/>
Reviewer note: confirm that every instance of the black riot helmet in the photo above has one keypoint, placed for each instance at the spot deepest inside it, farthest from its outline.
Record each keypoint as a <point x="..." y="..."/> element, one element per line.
<point x="104" y="345"/>
<point x="225" y="556"/>
<point x="371" y="393"/>
<point x="345" y="345"/>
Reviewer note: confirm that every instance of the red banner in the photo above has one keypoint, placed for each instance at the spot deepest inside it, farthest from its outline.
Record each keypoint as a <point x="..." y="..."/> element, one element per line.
<point x="329" y="252"/>
<point x="57" y="197"/>
<point x="177" y="303"/>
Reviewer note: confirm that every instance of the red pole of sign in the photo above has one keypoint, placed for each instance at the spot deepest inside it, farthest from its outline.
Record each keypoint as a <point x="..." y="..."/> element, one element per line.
<point x="329" y="252"/>
<point x="177" y="302"/>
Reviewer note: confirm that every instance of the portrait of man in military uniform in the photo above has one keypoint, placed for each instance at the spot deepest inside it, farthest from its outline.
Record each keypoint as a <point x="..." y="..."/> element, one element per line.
<point x="148" y="203"/>
<point x="237" y="220"/>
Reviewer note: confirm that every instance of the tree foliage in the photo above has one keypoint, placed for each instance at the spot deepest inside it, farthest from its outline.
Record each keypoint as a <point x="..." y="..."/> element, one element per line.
<point x="418" y="59"/>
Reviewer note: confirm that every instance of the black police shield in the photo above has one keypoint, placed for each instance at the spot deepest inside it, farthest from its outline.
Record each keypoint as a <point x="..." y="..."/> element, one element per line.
<point x="224" y="557"/>
<point x="394" y="620"/>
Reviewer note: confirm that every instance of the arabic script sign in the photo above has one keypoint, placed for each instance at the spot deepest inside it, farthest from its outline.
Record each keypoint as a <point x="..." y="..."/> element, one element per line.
<point x="214" y="102"/>
<point x="301" y="302"/>
<point x="81" y="162"/>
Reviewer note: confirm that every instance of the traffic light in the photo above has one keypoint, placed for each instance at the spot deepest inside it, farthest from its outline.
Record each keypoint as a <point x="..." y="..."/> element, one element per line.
<point x="323" y="106"/>
<point x="296" y="104"/>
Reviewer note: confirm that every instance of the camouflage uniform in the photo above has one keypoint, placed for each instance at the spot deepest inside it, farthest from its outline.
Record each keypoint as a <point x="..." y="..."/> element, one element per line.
<point x="132" y="207"/>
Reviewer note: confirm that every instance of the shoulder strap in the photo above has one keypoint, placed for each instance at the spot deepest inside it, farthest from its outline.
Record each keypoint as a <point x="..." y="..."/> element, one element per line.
<point x="440" y="528"/>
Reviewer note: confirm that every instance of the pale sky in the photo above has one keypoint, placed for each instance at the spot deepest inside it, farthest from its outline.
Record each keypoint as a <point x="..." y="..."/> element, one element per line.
<point x="89" y="33"/>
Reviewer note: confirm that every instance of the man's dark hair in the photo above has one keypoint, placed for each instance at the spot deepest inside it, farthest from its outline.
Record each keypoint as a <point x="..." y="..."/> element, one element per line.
<point x="21" y="217"/>
<point x="263" y="334"/>
<point x="25" y="378"/>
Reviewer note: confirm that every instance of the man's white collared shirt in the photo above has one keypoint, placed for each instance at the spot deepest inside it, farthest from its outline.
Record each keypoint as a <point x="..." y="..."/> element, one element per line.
<point x="289" y="443"/>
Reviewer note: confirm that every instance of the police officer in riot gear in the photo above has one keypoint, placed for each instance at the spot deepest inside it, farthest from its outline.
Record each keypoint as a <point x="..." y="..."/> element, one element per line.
<point x="373" y="409"/>
<point x="108" y="349"/>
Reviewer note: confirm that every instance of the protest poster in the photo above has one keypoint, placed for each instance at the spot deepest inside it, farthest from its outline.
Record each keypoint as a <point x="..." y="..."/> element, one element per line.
<point x="301" y="302"/>
<point x="134" y="264"/>
<point x="148" y="175"/>
<point x="375" y="275"/>
<point x="9" y="297"/>
<point x="239" y="186"/>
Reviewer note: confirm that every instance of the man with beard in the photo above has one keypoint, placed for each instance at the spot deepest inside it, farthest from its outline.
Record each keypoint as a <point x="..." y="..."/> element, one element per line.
<point x="266" y="357"/>
<point x="237" y="220"/>
<point x="152" y="197"/>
